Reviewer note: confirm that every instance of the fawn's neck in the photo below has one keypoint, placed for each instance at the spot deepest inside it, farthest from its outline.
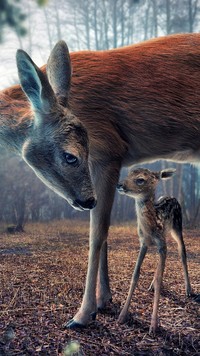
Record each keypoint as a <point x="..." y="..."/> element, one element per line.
<point x="15" y="122"/>
<point x="145" y="210"/>
<point x="145" y="203"/>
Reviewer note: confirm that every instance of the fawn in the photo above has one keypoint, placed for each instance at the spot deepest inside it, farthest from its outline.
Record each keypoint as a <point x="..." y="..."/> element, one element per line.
<point x="154" y="220"/>
<point x="120" y="107"/>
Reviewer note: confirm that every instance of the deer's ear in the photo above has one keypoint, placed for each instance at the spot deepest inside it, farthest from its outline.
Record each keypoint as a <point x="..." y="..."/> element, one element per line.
<point x="34" y="83"/>
<point x="59" y="72"/>
<point x="167" y="173"/>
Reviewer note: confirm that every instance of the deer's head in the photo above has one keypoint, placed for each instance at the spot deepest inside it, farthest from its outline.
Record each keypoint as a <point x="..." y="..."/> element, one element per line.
<point x="57" y="147"/>
<point x="141" y="183"/>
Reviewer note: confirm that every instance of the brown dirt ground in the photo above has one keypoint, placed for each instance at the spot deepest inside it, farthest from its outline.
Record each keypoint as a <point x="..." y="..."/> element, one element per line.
<point x="42" y="280"/>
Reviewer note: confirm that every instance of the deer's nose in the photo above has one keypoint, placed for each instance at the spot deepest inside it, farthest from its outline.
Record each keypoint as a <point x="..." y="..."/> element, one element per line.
<point x="87" y="204"/>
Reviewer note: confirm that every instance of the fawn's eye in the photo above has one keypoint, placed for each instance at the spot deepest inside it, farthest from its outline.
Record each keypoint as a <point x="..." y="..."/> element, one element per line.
<point x="140" y="181"/>
<point x="70" y="159"/>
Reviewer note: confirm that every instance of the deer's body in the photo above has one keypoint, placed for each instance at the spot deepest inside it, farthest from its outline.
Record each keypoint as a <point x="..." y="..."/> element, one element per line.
<point x="155" y="220"/>
<point x="140" y="93"/>
<point x="135" y="104"/>
<point x="149" y="88"/>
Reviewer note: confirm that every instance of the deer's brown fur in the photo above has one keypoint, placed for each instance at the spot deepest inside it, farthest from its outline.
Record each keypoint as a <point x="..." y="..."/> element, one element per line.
<point x="135" y="104"/>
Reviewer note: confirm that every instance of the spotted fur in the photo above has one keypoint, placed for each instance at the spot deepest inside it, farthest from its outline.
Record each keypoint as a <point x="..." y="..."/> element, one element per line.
<point x="155" y="219"/>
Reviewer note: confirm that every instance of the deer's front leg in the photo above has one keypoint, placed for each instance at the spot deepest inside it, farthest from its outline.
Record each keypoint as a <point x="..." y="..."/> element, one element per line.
<point x="162" y="250"/>
<point x="105" y="183"/>
<point x="136" y="274"/>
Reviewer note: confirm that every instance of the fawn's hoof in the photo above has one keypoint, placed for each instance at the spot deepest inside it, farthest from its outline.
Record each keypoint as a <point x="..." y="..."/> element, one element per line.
<point x="152" y="331"/>
<point x="122" y="319"/>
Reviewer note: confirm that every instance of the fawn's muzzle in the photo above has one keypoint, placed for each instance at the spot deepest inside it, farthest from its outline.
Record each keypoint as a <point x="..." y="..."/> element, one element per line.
<point x="121" y="188"/>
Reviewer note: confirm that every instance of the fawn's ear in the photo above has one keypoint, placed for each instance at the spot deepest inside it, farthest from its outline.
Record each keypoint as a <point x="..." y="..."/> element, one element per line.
<point x="167" y="173"/>
<point x="59" y="72"/>
<point x="35" y="84"/>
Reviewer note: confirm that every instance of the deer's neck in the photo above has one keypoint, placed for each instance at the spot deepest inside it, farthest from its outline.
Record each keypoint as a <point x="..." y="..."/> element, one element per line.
<point x="15" y="121"/>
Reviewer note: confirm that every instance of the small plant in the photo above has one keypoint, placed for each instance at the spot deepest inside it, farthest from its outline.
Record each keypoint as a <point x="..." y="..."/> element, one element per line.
<point x="72" y="348"/>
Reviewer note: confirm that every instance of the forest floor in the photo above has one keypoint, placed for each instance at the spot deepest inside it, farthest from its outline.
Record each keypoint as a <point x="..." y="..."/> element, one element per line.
<point x="42" y="277"/>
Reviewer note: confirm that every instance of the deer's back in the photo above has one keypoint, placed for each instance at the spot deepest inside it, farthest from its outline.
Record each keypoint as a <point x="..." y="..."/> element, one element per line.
<point x="142" y="101"/>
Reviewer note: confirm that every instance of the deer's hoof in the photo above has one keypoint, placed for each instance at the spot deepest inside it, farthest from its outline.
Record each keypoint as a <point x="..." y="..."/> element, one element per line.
<point x="101" y="307"/>
<point x="72" y="324"/>
<point x="93" y="315"/>
<point x="196" y="298"/>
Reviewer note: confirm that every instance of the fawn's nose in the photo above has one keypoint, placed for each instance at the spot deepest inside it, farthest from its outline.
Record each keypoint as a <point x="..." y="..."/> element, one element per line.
<point x="87" y="204"/>
<point x="120" y="187"/>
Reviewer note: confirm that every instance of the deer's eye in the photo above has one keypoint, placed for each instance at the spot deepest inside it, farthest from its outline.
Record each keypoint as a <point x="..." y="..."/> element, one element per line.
<point x="70" y="159"/>
<point x="140" y="181"/>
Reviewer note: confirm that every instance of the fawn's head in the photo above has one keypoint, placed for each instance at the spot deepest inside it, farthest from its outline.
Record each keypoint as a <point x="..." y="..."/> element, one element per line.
<point x="141" y="183"/>
<point x="57" y="146"/>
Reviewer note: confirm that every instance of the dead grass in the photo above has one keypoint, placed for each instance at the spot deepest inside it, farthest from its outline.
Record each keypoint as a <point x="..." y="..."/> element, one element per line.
<point x="42" y="280"/>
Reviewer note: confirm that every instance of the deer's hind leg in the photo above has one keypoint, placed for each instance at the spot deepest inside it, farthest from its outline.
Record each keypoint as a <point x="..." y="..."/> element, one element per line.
<point x="103" y="293"/>
<point x="176" y="233"/>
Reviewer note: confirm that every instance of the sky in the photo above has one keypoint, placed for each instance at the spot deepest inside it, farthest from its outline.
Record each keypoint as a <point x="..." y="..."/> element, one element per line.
<point x="40" y="52"/>
<point x="8" y="68"/>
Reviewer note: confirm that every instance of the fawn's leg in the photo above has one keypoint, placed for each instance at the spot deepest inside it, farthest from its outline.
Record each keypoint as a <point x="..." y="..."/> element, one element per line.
<point x="178" y="237"/>
<point x="104" y="182"/>
<point x="151" y="287"/>
<point x="162" y="250"/>
<point x="136" y="274"/>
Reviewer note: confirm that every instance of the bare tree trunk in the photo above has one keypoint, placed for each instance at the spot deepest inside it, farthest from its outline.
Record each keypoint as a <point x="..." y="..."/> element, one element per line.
<point x="192" y="12"/>
<point x="48" y="28"/>
<point x="190" y="16"/>
<point x="122" y="23"/>
<point x="180" y="182"/>
<point x="59" y="34"/>
<point x="114" y="23"/>
<point x="87" y="23"/>
<point x="155" y="17"/>
<point x="1" y="26"/>
<point x="95" y="25"/>
<point x="77" y="30"/>
<point x="20" y="208"/>
<point x="192" y="190"/>
<point x="146" y="21"/>
<point x="168" y="26"/>
<point x="106" y="45"/>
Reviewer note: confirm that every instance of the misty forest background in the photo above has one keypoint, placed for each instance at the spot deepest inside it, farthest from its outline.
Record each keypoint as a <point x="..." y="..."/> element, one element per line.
<point x="35" y="26"/>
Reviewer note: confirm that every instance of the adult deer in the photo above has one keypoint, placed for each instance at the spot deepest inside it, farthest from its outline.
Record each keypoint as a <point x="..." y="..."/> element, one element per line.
<point x="129" y="105"/>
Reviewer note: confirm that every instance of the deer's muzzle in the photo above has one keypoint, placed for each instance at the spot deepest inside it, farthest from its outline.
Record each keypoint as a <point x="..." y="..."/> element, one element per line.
<point x="84" y="205"/>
